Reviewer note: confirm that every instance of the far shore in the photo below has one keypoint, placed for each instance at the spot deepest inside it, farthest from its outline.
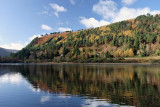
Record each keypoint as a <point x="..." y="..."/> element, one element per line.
<point x="71" y="63"/>
<point x="152" y="60"/>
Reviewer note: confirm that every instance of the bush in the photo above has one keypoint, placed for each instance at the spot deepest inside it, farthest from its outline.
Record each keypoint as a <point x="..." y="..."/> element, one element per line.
<point x="155" y="61"/>
<point x="157" y="52"/>
<point x="108" y="55"/>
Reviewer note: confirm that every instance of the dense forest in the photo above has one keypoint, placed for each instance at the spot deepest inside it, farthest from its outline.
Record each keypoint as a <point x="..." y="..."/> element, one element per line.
<point x="137" y="37"/>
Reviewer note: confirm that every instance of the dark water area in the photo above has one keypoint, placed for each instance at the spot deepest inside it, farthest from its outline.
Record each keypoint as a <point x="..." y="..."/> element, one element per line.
<point x="79" y="85"/>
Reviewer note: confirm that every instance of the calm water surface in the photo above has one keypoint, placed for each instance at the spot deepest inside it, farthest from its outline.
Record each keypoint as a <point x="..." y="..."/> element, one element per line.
<point x="95" y="85"/>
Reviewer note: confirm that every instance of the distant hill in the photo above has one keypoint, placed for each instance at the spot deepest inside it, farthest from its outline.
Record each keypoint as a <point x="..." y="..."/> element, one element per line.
<point x="134" y="37"/>
<point x="12" y="50"/>
<point x="6" y="52"/>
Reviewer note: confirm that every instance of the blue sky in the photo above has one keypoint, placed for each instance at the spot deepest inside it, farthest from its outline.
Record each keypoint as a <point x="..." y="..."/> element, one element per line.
<point x="22" y="20"/>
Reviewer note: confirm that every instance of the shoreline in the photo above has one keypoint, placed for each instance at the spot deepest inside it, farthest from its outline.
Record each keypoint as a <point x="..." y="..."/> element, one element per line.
<point x="110" y="61"/>
<point x="72" y="63"/>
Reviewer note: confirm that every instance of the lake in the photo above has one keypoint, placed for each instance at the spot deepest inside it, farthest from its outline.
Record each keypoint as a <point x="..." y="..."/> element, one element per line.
<point x="79" y="85"/>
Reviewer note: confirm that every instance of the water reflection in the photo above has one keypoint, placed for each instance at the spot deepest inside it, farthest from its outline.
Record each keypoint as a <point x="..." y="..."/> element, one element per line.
<point x="117" y="85"/>
<point x="45" y="98"/>
<point x="34" y="89"/>
<point x="97" y="103"/>
<point x="13" y="78"/>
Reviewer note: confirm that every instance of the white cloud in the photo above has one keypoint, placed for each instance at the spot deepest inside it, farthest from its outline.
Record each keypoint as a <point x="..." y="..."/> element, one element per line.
<point x="108" y="10"/>
<point x="34" y="36"/>
<point x="63" y="29"/>
<point x="44" y="99"/>
<point x="129" y="13"/>
<point x="17" y="46"/>
<point x="46" y="27"/>
<point x="57" y="9"/>
<point x="128" y="2"/>
<point x="92" y="22"/>
<point x="11" y="78"/>
<point x="105" y="8"/>
<point x="72" y="2"/>
<point x="154" y="12"/>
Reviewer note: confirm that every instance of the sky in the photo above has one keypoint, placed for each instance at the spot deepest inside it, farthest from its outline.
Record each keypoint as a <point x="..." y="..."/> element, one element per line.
<point x="23" y="20"/>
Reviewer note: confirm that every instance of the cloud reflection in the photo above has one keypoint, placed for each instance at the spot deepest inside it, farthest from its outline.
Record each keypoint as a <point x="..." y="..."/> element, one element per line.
<point x="45" y="99"/>
<point x="34" y="89"/>
<point x="95" y="103"/>
<point x="100" y="103"/>
<point x="64" y="96"/>
<point x="13" y="78"/>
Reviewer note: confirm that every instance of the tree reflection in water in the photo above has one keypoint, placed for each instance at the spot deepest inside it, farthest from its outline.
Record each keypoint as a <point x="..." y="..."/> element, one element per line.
<point x="118" y="84"/>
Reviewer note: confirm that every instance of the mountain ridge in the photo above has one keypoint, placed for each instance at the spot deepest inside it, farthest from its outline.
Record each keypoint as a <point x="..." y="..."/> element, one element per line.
<point x="133" y="37"/>
<point x="6" y="52"/>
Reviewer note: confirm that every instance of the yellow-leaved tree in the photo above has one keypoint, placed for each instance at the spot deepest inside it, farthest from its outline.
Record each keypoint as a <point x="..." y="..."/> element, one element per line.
<point x="128" y="52"/>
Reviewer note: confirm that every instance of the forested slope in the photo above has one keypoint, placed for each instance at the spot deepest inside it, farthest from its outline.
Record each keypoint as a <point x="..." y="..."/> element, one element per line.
<point x="135" y="37"/>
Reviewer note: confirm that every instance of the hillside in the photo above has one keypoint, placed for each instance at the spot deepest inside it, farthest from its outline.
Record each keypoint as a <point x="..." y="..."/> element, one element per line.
<point x="135" y="37"/>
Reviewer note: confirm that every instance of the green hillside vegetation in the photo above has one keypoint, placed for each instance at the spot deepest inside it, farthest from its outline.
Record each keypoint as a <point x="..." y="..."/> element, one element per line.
<point x="138" y="37"/>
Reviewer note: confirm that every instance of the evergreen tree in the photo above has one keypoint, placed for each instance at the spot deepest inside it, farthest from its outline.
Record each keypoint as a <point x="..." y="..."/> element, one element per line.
<point x="136" y="44"/>
<point x="56" y="53"/>
<point x="76" y="51"/>
<point x="65" y="51"/>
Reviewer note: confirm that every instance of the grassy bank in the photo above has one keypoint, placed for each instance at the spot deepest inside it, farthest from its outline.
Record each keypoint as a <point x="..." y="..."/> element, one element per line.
<point x="100" y="60"/>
